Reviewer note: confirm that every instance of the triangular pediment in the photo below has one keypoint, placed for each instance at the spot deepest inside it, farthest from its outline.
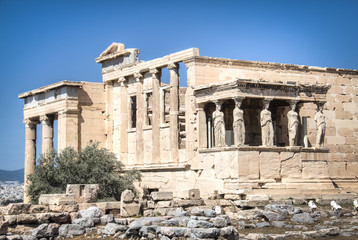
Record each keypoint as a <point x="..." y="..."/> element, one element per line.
<point x="113" y="49"/>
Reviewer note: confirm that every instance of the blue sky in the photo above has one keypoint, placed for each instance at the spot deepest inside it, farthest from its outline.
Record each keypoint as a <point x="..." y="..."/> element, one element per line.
<point x="43" y="42"/>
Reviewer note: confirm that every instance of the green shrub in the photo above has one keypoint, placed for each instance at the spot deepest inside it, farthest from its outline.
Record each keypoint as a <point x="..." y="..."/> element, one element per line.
<point x="90" y="166"/>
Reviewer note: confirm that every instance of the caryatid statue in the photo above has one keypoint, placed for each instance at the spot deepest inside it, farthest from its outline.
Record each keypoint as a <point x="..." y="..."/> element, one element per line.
<point x="266" y="125"/>
<point x="292" y="117"/>
<point x="219" y="126"/>
<point x="320" y="120"/>
<point x="238" y="124"/>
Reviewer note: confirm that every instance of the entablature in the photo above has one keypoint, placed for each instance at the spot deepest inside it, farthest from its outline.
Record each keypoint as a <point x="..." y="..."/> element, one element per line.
<point x="261" y="89"/>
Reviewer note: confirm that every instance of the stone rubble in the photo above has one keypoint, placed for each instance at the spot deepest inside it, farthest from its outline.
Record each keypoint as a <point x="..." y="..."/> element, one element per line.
<point x="210" y="219"/>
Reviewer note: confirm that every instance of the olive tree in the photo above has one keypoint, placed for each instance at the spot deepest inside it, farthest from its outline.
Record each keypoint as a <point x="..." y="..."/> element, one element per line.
<point x="92" y="165"/>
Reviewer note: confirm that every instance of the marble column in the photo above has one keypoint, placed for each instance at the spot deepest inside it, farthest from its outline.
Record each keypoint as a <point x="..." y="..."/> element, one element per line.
<point x="156" y="115"/>
<point x="30" y="152"/>
<point x="140" y="119"/>
<point x="47" y="133"/>
<point x="123" y="124"/>
<point x="162" y="106"/>
<point x="174" y="111"/>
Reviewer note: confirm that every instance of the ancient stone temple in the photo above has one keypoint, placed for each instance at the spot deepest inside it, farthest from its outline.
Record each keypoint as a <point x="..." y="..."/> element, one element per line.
<point x="231" y="125"/>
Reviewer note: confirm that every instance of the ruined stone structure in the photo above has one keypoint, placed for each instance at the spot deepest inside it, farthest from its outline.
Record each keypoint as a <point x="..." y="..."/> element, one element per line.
<point x="307" y="116"/>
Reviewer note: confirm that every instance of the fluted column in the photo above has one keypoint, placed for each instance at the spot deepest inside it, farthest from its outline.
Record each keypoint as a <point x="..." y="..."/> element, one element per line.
<point x="140" y="119"/>
<point x="162" y="106"/>
<point x="174" y="111"/>
<point x="156" y="115"/>
<point x="30" y="152"/>
<point x="47" y="133"/>
<point x="123" y="148"/>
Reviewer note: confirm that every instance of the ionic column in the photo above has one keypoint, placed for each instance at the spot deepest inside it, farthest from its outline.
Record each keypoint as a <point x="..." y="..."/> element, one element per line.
<point x="123" y="127"/>
<point x="174" y="111"/>
<point x="140" y="119"/>
<point x="156" y="115"/>
<point x="30" y="153"/>
<point x="162" y="106"/>
<point x="47" y="133"/>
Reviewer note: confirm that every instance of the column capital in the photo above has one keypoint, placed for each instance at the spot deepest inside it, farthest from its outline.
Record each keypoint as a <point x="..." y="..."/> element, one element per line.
<point x="45" y="118"/>
<point x="121" y="81"/>
<point x="173" y="66"/>
<point x="154" y="71"/>
<point x="30" y="122"/>
<point x="138" y="76"/>
<point x="238" y="99"/>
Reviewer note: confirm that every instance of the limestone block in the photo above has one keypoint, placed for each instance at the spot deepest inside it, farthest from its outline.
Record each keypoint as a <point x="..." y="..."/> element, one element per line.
<point x="189" y="203"/>
<point x="57" y="199"/>
<point x="26" y="219"/>
<point x="160" y="196"/>
<point x="269" y="165"/>
<point x="38" y="209"/>
<point x="291" y="165"/>
<point x="257" y="197"/>
<point x="83" y="192"/>
<point x="194" y="194"/>
<point x="130" y="210"/>
<point x="249" y="165"/>
<point x="18" y="208"/>
<point x="314" y="169"/>
<point x="163" y="204"/>
<point x="127" y="196"/>
<point x="226" y="164"/>
<point x="63" y="208"/>
<point x="352" y="169"/>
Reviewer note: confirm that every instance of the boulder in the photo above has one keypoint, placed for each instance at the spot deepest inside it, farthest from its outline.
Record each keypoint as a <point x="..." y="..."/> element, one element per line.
<point x="209" y="213"/>
<point x="219" y="222"/>
<point x="113" y="228"/>
<point x="84" y="222"/>
<point x="91" y="212"/>
<point x="204" y="233"/>
<point x="272" y="216"/>
<point x="199" y="224"/>
<point x="127" y="196"/>
<point x="46" y="230"/>
<point x="71" y="230"/>
<point x="229" y="233"/>
<point x="262" y="224"/>
<point x="302" y="218"/>
<point x="108" y="218"/>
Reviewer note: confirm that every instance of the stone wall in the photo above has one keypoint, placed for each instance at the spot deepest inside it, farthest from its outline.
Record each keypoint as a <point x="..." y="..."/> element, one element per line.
<point x="91" y="106"/>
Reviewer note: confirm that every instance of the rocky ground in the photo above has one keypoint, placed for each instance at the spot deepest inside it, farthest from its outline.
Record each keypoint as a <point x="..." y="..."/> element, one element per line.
<point x="11" y="192"/>
<point x="274" y="221"/>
